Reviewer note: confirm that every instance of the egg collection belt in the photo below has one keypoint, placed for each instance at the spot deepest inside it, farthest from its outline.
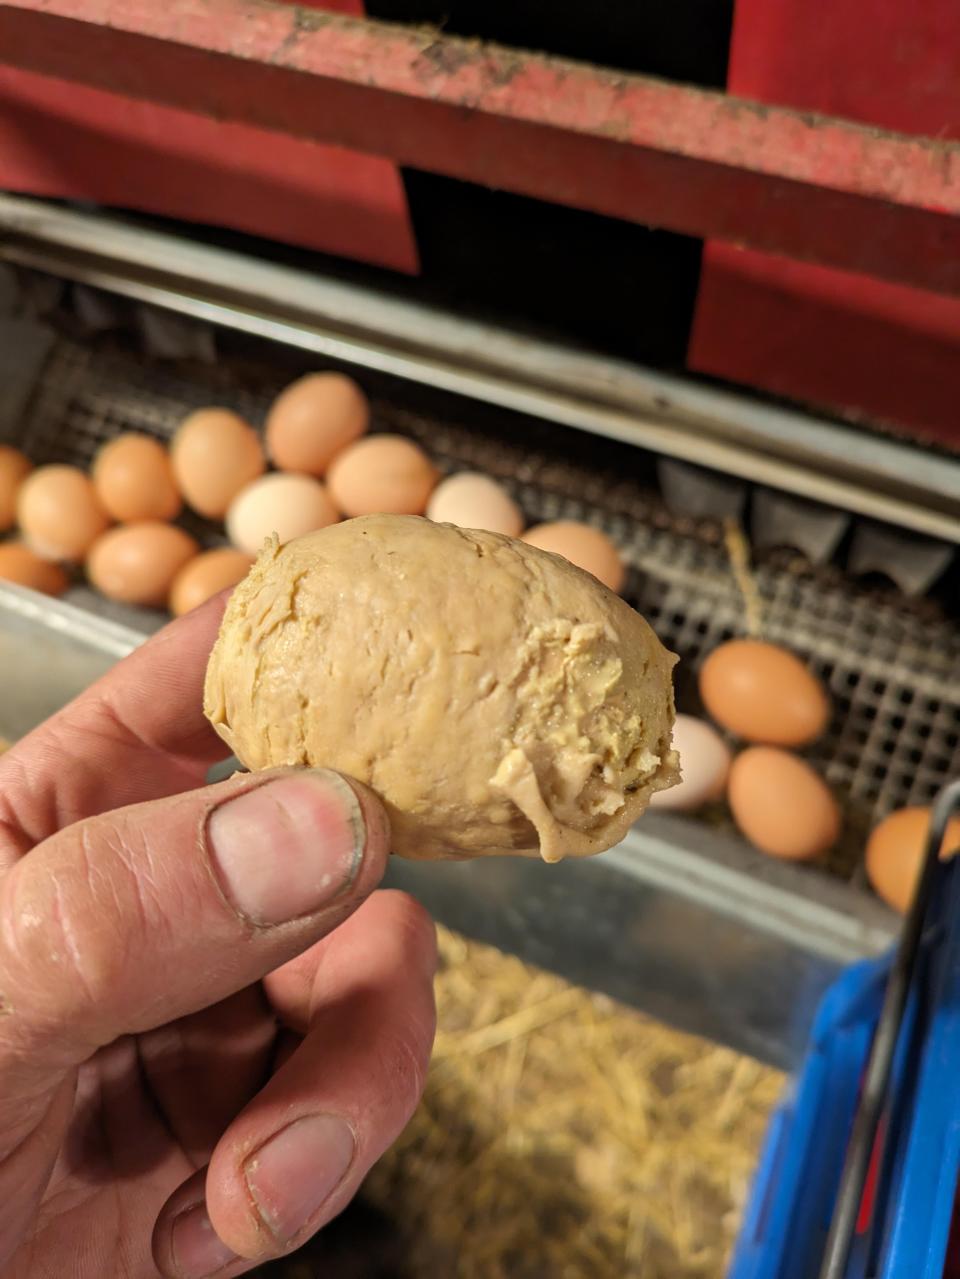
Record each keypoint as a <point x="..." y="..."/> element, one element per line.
<point x="888" y="664"/>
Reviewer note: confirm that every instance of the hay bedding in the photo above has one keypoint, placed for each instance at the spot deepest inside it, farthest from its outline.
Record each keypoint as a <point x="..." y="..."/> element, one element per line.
<point x="562" y="1136"/>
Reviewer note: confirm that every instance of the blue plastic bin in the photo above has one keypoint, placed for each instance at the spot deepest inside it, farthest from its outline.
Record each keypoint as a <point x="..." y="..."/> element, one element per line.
<point x="908" y="1207"/>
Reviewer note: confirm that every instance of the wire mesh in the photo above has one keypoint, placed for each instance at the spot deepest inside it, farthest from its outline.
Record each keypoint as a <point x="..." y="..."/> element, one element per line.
<point x="891" y="667"/>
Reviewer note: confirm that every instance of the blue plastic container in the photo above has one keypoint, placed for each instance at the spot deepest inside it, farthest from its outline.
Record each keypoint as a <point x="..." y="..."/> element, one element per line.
<point x="907" y="1211"/>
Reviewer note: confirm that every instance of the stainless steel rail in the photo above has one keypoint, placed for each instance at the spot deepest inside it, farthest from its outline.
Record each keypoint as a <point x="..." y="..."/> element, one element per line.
<point x="838" y="465"/>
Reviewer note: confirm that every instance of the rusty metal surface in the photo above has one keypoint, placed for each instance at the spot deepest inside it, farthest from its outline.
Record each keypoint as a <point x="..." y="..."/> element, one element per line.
<point x="695" y="161"/>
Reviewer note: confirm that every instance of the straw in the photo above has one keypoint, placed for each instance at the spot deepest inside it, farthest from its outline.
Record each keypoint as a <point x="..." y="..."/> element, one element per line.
<point x="563" y="1134"/>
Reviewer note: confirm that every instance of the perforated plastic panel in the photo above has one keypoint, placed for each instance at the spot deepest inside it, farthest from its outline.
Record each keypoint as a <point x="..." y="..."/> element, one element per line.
<point x="893" y="672"/>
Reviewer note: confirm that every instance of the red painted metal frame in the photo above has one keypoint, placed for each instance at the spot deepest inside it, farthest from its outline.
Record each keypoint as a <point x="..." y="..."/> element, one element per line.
<point x="817" y="189"/>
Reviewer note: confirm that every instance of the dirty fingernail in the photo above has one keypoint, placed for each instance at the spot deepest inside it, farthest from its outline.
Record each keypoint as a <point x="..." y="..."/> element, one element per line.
<point x="288" y="847"/>
<point x="294" y="1173"/>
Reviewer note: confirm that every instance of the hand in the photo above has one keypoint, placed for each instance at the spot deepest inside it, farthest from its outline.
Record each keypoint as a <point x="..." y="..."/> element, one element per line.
<point x="209" y="1028"/>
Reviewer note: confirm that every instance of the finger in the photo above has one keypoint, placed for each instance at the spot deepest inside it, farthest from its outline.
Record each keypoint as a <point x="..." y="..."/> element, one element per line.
<point x="298" y="1153"/>
<point x="136" y="734"/>
<point x="144" y="915"/>
<point x="204" y="1068"/>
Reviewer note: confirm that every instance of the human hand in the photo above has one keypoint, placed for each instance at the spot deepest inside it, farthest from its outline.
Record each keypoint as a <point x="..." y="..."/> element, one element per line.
<point x="209" y="1028"/>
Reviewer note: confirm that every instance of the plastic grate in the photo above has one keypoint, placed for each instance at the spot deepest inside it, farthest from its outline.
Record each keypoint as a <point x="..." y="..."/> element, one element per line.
<point x="891" y="670"/>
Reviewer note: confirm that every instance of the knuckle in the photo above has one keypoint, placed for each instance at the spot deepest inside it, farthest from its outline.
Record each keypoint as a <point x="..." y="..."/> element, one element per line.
<point x="406" y="1057"/>
<point x="416" y="933"/>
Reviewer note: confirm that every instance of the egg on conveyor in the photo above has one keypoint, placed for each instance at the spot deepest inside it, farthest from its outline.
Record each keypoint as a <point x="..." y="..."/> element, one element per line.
<point x="704" y="765"/>
<point x="133" y="476"/>
<point x="763" y="693"/>
<point x="137" y="563"/>
<point x="781" y="805"/>
<point x="21" y="565"/>
<point x="205" y="576"/>
<point x="59" y="512"/>
<point x="895" y="851"/>
<point x="472" y="500"/>
<point x="382" y="475"/>
<point x="14" y="469"/>
<point x="283" y="503"/>
<point x="214" y="454"/>
<point x="313" y="420"/>
<point x="583" y="545"/>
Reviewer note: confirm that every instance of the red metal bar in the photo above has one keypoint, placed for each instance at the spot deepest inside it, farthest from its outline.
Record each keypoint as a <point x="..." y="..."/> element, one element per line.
<point x="790" y="182"/>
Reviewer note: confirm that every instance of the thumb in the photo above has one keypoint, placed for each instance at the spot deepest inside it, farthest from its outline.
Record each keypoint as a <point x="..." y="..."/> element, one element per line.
<point x="137" y="917"/>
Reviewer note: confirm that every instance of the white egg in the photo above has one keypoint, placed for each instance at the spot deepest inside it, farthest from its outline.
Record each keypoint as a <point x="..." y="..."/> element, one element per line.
<point x="704" y="765"/>
<point x="283" y="503"/>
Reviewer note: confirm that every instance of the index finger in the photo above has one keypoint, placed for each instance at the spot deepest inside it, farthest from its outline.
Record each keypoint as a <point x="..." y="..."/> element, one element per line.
<point x="138" y="733"/>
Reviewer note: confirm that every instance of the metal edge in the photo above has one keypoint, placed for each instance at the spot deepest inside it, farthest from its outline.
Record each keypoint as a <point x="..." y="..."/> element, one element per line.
<point x="809" y="910"/>
<point x="826" y="462"/>
<point x="76" y="625"/>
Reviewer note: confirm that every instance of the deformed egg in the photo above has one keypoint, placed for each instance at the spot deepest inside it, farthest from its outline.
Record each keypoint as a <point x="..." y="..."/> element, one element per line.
<point x="134" y="480"/>
<point x="382" y="475"/>
<point x="895" y="851"/>
<point x="583" y="545"/>
<point x="283" y="503"/>
<point x="203" y="577"/>
<point x="59" y="512"/>
<point x="14" y="469"/>
<point x="21" y="565"/>
<point x="472" y="500"/>
<point x="704" y="765"/>
<point x="313" y="420"/>
<point x="136" y="563"/>
<point x="781" y="805"/>
<point x="214" y="454"/>
<point x="763" y="693"/>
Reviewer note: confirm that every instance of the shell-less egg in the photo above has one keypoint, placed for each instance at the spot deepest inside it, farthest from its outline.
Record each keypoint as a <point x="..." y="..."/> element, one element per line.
<point x="313" y="420"/>
<point x="21" y="565"/>
<point x="781" y="804"/>
<point x="214" y="454"/>
<point x="763" y="693"/>
<point x="382" y="475"/>
<point x="134" y="480"/>
<point x="895" y="851"/>
<point x="59" y="512"/>
<point x="136" y="563"/>
<point x="283" y="503"/>
<point x="471" y="500"/>
<point x="14" y="469"/>
<point x="205" y="576"/>
<point x="583" y="545"/>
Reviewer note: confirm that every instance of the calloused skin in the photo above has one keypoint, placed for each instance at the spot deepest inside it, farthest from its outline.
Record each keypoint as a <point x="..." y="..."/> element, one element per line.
<point x="177" y="988"/>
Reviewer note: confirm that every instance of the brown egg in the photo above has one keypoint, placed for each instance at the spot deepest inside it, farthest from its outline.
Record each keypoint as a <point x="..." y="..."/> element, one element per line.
<point x="781" y="805"/>
<point x="582" y="545"/>
<point x="763" y="693"/>
<point x="471" y="500"/>
<point x="382" y="475"/>
<point x="283" y="503"/>
<point x="895" y="852"/>
<point x="14" y="469"/>
<point x="203" y="577"/>
<point x="59" y="512"/>
<point x="134" y="480"/>
<point x="313" y="420"/>
<point x="214" y="454"/>
<point x="136" y="564"/>
<point x="19" y="564"/>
